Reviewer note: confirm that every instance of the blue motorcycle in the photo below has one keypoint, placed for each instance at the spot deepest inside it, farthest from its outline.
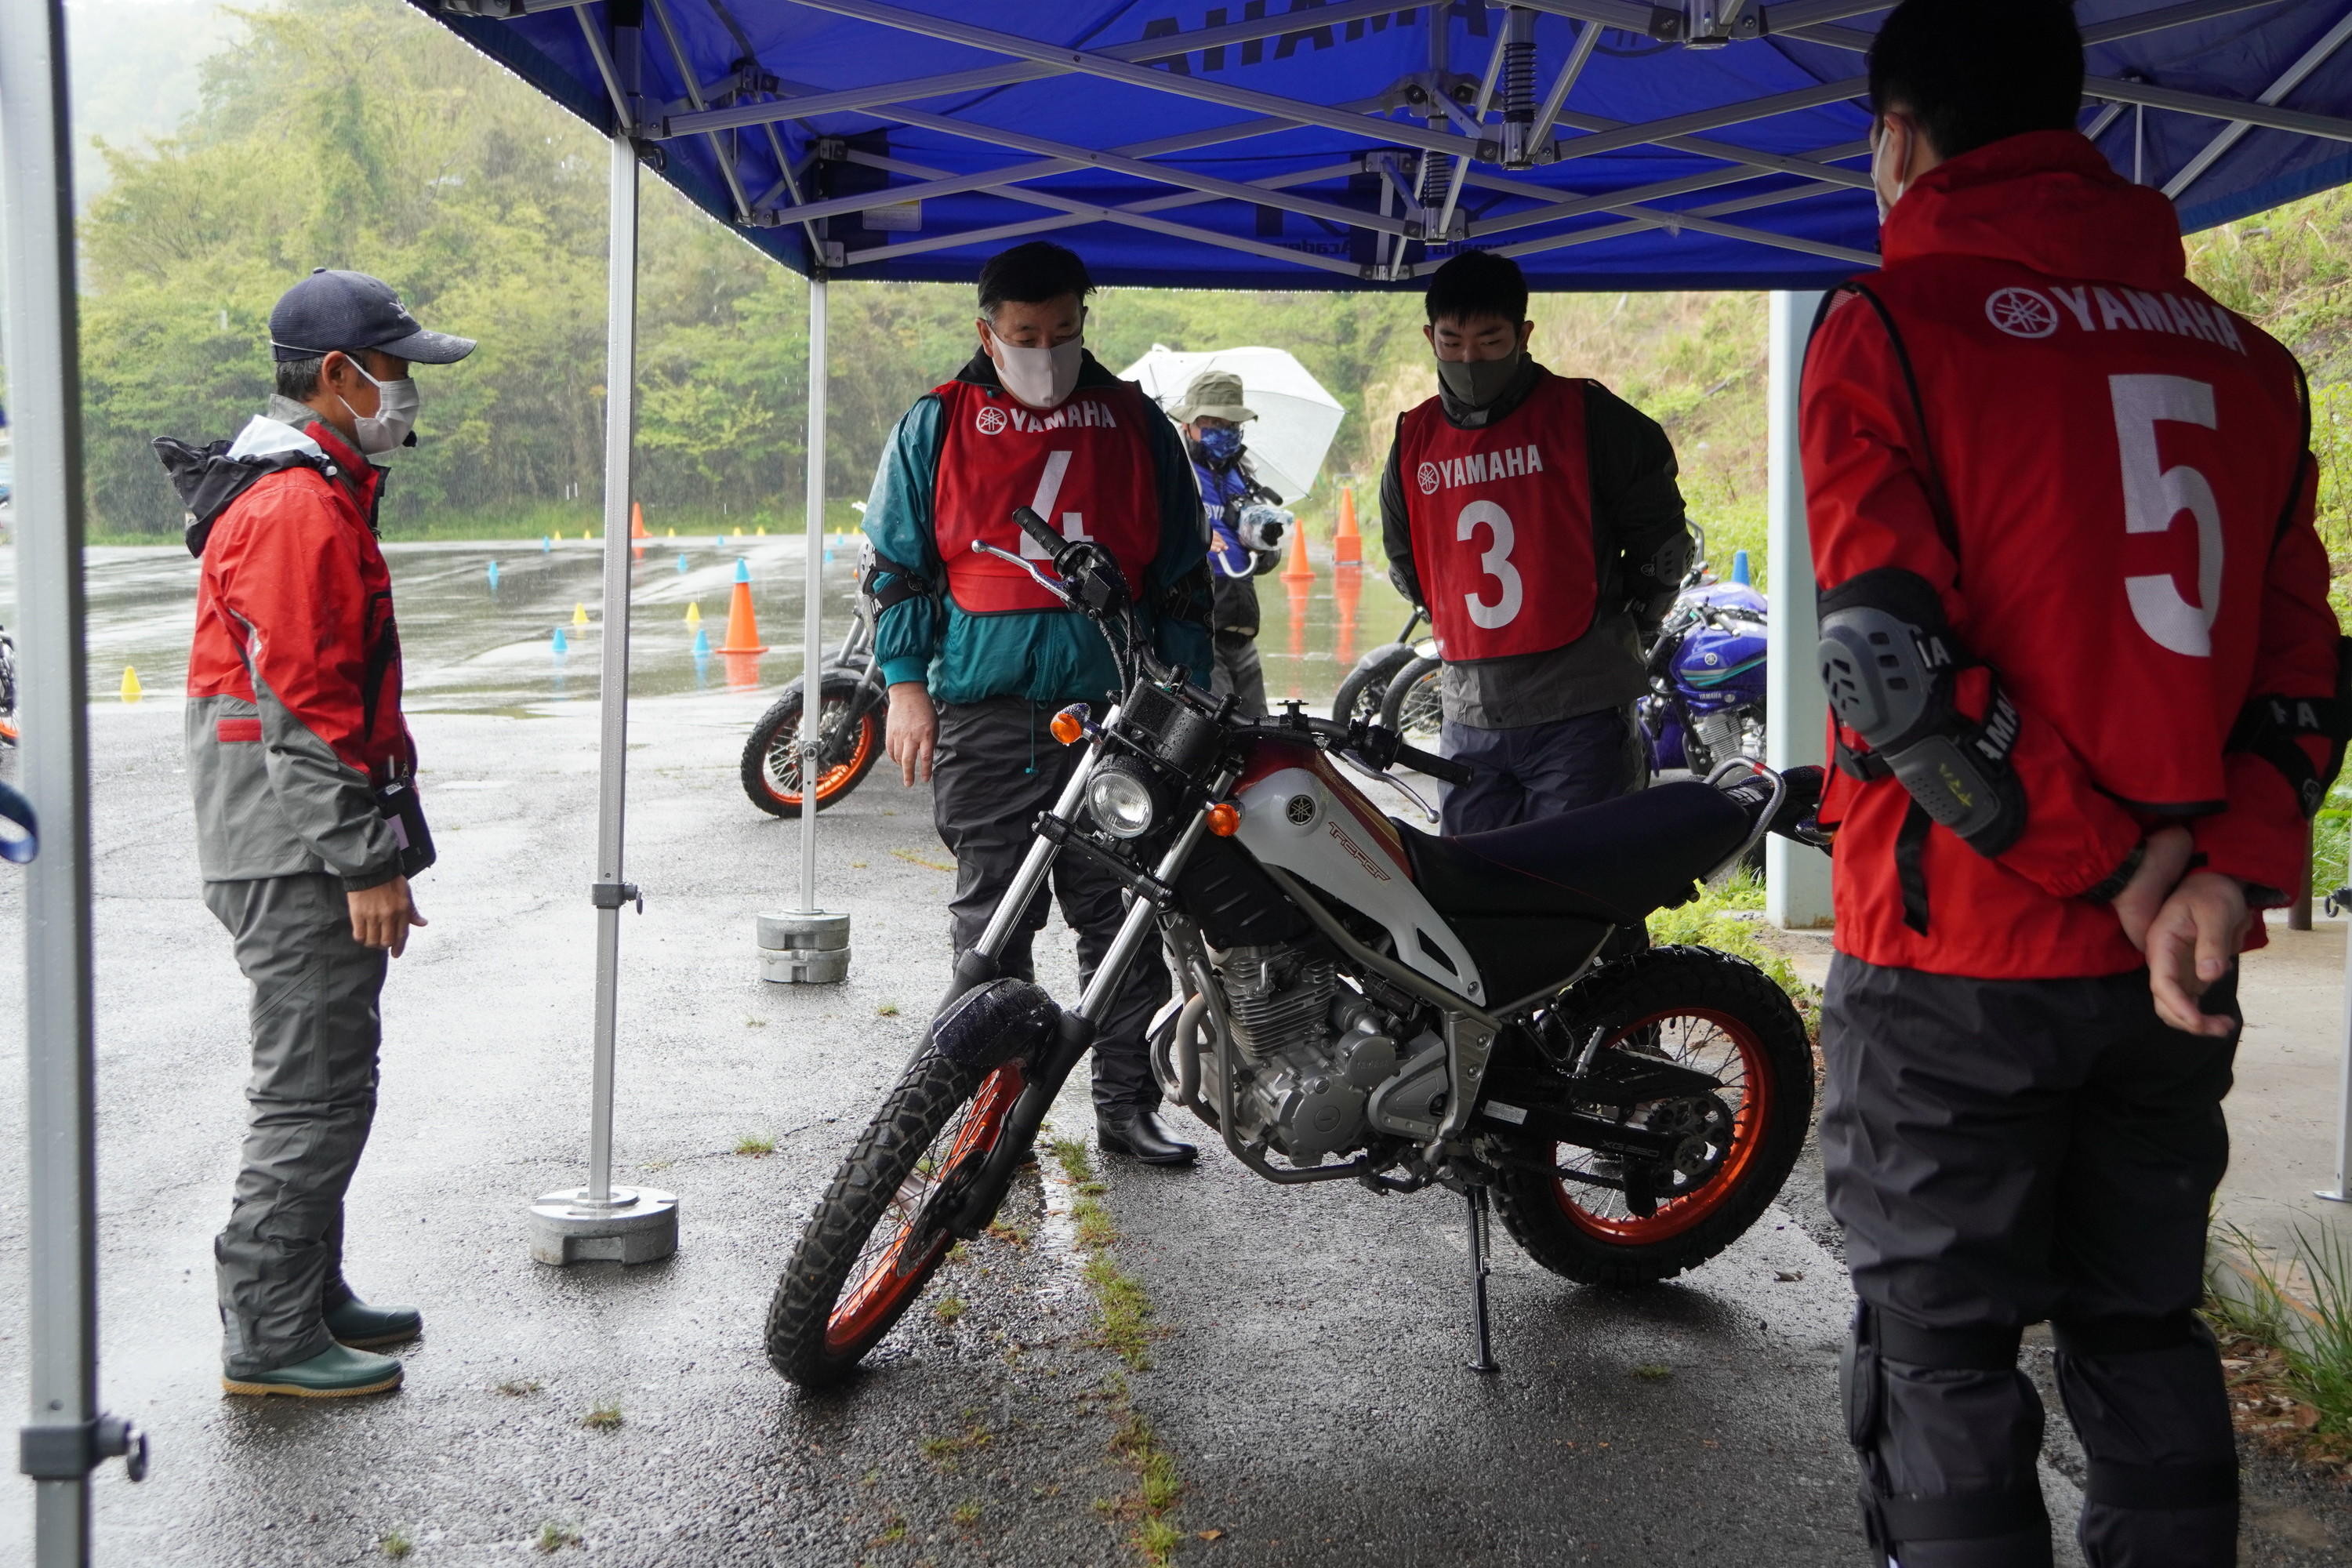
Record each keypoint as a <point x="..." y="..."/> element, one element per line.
<point x="1706" y="704"/>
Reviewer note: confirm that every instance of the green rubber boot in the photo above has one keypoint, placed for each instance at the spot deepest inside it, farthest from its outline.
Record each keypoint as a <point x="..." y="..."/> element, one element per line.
<point x="336" y="1372"/>
<point x="355" y="1323"/>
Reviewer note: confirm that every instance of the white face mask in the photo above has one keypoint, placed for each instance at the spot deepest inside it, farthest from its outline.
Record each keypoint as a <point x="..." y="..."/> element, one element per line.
<point x="1877" y="158"/>
<point x="1042" y="378"/>
<point x="395" y="418"/>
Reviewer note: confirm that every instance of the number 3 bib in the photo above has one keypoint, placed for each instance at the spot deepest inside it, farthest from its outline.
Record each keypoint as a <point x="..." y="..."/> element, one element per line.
<point x="1502" y="524"/>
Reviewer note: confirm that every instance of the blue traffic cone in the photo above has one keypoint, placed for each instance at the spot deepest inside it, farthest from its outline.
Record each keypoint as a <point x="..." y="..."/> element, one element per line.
<point x="681" y="565"/>
<point x="545" y="544"/>
<point x="1739" y="567"/>
<point x="743" y="569"/>
<point x="702" y="643"/>
<point x="561" y="647"/>
<point x="494" y="576"/>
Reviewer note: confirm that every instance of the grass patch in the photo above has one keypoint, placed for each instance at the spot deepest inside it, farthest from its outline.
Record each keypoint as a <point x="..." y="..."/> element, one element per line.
<point x="945" y="1451"/>
<point x="1726" y="918"/>
<point x="395" y="1543"/>
<point x="947" y="1309"/>
<point x="1093" y="1222"/>
<point x="603" y="1418"/>
<point x="1653" y="1372"/>
<point x="914" y="860"/>
<point x="887" y="1010"/>
<point x="554" y="1537"/>
<point x="1126" y="1311"/>
<point x="516" y="1387"/>
<point x="755" y="1145"/>
<point x="966" y="1513"/>
<point x="1008" y="1232"/>
<point x="2286" y="1334"/>
<point x="1158" y="1489"/>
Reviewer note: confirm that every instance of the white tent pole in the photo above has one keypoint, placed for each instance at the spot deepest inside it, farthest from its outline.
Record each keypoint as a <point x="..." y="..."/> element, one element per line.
<point x="813" y="597"/>
<point x="2341" y="1191"/>
<point x="1796" y="876"/>
<point x="613" y="685"/>
<point x="602" y="1221"/>
<point x="65" y="1436"/>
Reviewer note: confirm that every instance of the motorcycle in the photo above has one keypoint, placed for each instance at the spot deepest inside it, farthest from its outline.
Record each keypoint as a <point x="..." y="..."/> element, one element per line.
<point x="851" y="737"/>
<point x="1706" y="702"/>
<point x="8" y="688"/>
<point x="1359" y="1002"/>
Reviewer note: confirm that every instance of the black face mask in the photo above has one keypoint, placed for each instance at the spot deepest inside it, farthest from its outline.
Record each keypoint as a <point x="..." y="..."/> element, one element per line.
<point x="1479" y="382"/>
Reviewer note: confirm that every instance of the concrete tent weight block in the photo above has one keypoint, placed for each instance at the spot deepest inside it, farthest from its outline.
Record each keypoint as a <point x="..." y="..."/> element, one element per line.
<point x="806" y="931"/>
<point x="634" y="1226"/>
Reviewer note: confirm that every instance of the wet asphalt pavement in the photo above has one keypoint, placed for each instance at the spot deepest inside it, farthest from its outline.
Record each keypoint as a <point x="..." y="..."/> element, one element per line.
<point x="1307" y="1376"/>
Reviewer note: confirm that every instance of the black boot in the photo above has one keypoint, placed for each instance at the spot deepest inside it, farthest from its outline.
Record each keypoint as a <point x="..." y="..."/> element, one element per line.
<point x="1140" y="1134"/>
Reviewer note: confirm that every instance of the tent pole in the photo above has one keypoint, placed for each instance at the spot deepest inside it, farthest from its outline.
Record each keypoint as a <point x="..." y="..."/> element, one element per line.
<point x="813" y="596"/>
<point x="806" y="945"/>
<point x="602" y="1221"/>
<point x="1796" y="876"/>
<point x="65" y="1436"/>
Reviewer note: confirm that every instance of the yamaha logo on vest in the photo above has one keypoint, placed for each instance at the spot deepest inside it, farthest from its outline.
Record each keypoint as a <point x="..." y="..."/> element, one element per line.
<point x="1480" y="467"/>
<point x="993" y="420"/>
<point x="2032" y="313"/>
<point x="2021" y="313"/>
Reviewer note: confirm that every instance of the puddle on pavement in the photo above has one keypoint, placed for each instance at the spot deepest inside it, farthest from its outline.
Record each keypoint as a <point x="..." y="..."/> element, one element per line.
<point x="475" y="647"/>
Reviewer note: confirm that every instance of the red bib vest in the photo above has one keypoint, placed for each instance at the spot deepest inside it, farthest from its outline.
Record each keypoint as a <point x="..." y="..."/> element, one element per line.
<point x="1086" y="468"/>
<point x="1502" y="524"/>
<point x="2117" y="465"/>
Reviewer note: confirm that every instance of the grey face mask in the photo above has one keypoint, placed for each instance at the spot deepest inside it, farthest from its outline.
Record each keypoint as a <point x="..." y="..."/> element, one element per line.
<point x="1478" y="382"/>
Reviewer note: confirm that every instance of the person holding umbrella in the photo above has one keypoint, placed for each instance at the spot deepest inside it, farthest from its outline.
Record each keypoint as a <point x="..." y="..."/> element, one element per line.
<point x="1245" y="526"/>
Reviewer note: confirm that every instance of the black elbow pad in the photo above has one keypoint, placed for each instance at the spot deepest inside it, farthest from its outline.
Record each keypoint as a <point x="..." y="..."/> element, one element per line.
<point x="886" y="582"/>
<point x="1890" y="661"/>
<point x="2272" y="725"/>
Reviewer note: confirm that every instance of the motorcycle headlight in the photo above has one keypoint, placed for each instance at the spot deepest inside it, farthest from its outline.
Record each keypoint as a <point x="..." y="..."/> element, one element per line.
<point x="1121" y="803"/>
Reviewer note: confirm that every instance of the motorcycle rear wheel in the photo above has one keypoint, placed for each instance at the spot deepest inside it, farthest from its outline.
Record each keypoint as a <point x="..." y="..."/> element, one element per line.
<point x="1411" y="706"/>
<point x="878" y="1233"/>
<point x="1702" y="1009"/>
<point x="1359" y="695"/>
<point x="772" y="762"/>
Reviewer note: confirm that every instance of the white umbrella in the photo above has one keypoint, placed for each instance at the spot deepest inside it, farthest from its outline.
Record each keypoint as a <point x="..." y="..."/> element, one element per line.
<point x="1296" y="418"/>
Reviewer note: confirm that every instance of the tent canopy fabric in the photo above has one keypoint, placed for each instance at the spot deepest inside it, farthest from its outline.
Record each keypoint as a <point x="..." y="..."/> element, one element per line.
<point x="1296" y="418"/>
<point x="1607" y="144"/>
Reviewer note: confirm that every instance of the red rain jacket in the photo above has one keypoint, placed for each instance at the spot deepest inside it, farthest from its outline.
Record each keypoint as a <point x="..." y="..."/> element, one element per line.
<point x="2104" y="475"/>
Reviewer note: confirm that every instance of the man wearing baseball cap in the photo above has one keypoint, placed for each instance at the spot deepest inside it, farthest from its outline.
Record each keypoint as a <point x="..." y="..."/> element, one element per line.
<point x="1245" y="528"/>
<point x="307" y="822"/>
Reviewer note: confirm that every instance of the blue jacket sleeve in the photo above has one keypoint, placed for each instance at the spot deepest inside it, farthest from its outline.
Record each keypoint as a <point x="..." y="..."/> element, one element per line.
<point x="1177" y="587"/>
<point x="907" y="635"/>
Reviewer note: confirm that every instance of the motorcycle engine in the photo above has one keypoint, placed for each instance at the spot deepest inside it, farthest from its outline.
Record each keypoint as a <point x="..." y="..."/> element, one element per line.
<point x="1311" y="1051"/>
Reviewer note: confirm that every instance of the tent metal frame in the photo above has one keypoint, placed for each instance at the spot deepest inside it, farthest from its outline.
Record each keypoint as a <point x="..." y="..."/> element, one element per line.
<point x="1446" y="117"/>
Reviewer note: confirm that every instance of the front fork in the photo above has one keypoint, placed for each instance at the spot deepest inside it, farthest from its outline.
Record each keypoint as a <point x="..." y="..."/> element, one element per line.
<point x="1073" y="1032"/>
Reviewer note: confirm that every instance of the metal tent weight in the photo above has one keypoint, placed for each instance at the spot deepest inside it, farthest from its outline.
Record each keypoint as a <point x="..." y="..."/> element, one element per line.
<point x="67" y="1436"/>
<point x="601" y="1221"/>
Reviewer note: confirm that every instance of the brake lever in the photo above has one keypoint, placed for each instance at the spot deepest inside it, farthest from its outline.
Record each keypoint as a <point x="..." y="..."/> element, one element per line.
<point x="1059" y="590"/>
<point x="1349" y="759"/>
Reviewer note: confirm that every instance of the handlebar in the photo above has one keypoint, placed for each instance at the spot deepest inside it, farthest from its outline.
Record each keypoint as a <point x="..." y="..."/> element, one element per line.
<point x="1038" y="528"/>
<point x="1382" y="748"/>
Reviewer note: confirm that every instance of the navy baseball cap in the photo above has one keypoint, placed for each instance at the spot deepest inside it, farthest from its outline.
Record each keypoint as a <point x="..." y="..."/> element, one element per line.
<point x="329" y="311"/>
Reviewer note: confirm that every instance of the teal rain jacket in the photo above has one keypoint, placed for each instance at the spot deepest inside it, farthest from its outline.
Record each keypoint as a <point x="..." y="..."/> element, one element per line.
<point x="1049" y="656"/>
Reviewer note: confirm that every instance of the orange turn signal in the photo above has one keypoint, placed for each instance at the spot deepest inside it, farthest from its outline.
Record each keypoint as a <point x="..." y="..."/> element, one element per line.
<point x="1224" y="819"/>
<point x="1068" y="726"/>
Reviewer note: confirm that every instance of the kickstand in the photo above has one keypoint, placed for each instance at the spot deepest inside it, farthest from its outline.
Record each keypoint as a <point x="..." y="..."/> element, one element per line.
<point x="1484" y="1358"/>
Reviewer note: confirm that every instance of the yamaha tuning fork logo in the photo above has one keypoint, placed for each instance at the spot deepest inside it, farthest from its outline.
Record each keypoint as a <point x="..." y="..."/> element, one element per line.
<point x="989" y="420"/>
<point x="2021" y="313"/>
<point x="1429" y="478"/>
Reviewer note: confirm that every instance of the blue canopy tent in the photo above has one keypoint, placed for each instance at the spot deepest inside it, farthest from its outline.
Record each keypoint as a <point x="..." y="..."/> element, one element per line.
<point x="1606" y="144"/>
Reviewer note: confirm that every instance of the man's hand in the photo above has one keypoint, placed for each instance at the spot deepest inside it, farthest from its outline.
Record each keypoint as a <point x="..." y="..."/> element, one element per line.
<point x="382" y="915"/>
<point x="914" y="730"/>
<point x="2164" y="859"/>
<point x="2192" y="943"/>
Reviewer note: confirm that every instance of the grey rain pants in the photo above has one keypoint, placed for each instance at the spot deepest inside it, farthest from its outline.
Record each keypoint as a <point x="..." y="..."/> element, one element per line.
<point x="1536" y="771"/>
<point x="2002" y="1153"/>
<point x="1238" y="670"/>
<point x="278" y="1264"/>
<point x="996" y="768"/>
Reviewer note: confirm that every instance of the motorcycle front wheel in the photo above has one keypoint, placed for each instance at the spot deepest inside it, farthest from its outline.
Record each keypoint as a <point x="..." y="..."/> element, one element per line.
<point x="772" y="757"/>
<point x="1698" y="1008"/>
<point x="1359" y="695"/>
<point x="1411" y="707"/>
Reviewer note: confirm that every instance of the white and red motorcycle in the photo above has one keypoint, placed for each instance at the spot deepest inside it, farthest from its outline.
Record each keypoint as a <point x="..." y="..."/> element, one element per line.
<point x="1361" y="1001"/>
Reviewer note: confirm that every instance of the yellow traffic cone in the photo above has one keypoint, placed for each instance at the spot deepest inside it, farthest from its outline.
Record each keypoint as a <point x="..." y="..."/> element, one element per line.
<point x="131" y="690"/>
<point x="694" y="613"/>
<point x="578" y="615"/>
<point x="763" y="530"/>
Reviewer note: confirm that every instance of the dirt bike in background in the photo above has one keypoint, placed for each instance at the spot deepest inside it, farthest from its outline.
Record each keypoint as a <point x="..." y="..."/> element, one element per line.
<point x="855" y="707"/>
<point x="8" y="688"/>
<point x="1359" y="1002"/>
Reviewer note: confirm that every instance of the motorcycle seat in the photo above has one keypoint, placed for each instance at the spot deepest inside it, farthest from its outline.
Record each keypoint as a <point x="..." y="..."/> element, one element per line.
<point x="1616" y="861"/>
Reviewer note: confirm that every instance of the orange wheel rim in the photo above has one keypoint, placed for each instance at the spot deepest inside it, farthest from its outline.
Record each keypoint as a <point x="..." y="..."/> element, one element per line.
<point x="1748" y="1120"/>
<point x="830" y="783"/>
<point x="896" y="1261"/>
<point x="7" y="729"/>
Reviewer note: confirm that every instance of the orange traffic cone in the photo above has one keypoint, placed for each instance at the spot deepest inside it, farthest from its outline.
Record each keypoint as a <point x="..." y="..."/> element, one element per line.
<point x="742" y="625"/>
<point x="1346" y="593"/>
<point x="1347" y="546"/>
<point x="637" y="530"/>
<point x="1298" y="571"/>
